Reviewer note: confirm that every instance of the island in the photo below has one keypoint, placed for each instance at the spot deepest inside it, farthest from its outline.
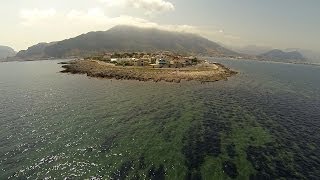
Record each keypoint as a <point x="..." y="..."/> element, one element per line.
<point x="162" y="66"/>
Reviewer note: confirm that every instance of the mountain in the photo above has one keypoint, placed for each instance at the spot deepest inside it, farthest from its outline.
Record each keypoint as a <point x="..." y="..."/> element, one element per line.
<point x="128" y="38"/>
<point x="253" y="50"/>
<point x="312" y="56"/>
<point x="34" y="52"/>
<point x="281" y="56"/>
<point x="6" y="51"/>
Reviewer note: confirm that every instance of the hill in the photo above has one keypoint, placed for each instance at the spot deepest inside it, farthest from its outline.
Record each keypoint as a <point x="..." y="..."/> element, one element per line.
<point x="128" y="38"/>
<point x="281" y="56"/>
<point x="253" y="50"/>
<point x="6" y="51"/>
<point x="34" y="52"/>
<point x="311" y="55"/>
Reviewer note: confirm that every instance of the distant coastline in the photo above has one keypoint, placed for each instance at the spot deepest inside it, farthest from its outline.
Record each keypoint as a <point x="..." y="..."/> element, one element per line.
<point x="268" y="61"/>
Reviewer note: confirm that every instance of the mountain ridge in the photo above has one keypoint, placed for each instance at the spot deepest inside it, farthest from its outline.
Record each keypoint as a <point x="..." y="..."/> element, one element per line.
<point x="127" y="38"/>
<point x="34" y="51"/>
<point x="6" y="51"/>
<point x="281" y="56"/>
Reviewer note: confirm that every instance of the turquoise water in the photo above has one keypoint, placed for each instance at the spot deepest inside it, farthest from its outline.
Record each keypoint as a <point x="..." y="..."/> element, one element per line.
<point x="261" y="124"/>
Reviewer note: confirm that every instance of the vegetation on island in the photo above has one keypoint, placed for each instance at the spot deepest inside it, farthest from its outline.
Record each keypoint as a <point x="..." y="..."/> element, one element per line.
<point x="164" y="66"/>
<point x="156" y="60"/>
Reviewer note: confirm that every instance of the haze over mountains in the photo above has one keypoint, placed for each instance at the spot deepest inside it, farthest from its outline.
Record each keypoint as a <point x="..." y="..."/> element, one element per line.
<point x="127" y="38"/>
<point x="254" y="50"/>
<point x="6" y="51"/>
<point x="310" y="55"/>
<point x="281" y="56"/>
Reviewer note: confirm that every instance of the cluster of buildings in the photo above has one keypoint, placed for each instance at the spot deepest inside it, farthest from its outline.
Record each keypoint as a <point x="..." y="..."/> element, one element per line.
<point x="156" y="60"/>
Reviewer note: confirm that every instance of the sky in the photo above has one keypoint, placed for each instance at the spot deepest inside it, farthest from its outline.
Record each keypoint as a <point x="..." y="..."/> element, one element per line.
<point x="274" y="23"/>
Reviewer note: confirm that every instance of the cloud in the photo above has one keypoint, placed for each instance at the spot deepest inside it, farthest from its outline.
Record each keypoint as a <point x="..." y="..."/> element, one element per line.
<point x="114" y="3"/>
<point x="99" y="20"/>
<point x="31" y="16"/>
<point x="50" y="25"/>
<point x="93" y="19"/>
<point x="150" y="6"/>
<point x="94" y="15"/>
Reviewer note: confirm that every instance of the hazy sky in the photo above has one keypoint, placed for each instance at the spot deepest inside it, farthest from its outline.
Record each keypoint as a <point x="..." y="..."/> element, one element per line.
<point x="276" y="23"/>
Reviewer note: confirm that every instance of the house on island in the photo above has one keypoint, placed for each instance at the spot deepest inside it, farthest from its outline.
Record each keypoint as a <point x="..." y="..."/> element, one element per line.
<point x="180" y="63"/>
<point x="107" y="56"/>
<point x="162" y="63"/>
<point x="155" y="60"/>
<point x="113" y="60"/>
<point x="141" y="62"/>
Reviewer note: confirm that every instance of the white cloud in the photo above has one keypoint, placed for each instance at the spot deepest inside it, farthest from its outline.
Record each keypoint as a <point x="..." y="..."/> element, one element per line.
<point x="150" y="6"/>
<point x="91" y="20"/>
<point x="97" y="18"/>
<point x="31" y="16"/>
<point x="113" y="3"/>
<point x="94" y="15"/>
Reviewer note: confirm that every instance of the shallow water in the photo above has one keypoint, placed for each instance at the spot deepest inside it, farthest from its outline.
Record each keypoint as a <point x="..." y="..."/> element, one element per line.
<point x="262" y="123"/>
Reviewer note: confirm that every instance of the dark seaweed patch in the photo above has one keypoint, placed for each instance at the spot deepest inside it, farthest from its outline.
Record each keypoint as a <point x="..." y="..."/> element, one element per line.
<point x="136" y="176"/>
<point x="264" y="160"/>
<point x="167" y="136"/>
<point x="141" y="162"/>
<point x="231" y="150"/>
<point x="204" y="138"/>
<point x="294" y="123"/>
<point x="123" y="171"/>
<point x="258" y="158"/>
<point x="260" y="176"/>
<point x="201" y="142"/>
<point x="230" y="169"/>
<point x="156" y="174"/>
<point x="107" y="144"/>
<point x="295" y="128"/>
<point x="193" y="175"/>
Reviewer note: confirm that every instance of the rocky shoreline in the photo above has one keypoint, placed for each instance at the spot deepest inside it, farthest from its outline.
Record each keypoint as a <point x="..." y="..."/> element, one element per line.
<point x="202" y="72"/>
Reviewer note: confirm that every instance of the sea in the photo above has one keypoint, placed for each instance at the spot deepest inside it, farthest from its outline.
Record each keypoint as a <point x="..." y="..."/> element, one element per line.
<point x="263" y="123"/>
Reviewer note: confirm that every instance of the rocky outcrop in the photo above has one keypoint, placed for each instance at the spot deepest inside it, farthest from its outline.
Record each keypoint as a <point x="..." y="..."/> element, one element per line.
<point x="201" y="72"/>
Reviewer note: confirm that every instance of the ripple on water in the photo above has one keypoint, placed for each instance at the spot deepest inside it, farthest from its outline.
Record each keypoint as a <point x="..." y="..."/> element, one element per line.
<point x="252" y="126"/>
